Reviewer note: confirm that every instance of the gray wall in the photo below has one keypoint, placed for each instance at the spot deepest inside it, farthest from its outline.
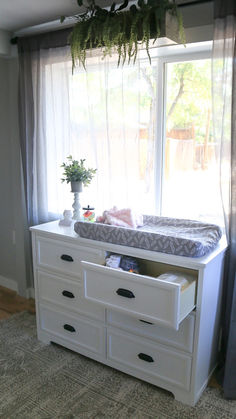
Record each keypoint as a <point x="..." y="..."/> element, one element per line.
<point x="198" y="22"/>
<point x="12" y="220"/>
<point x="7" y="249"/>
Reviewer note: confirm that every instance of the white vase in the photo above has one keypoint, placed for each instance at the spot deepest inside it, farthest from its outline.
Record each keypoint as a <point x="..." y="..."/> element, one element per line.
<point x="76" y="189"/>
<point x="76" y="186"/>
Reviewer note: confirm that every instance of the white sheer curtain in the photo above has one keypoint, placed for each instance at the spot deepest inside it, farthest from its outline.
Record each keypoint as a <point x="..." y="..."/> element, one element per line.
<point x="104" y="115"/>
<point x="222" y="79"/>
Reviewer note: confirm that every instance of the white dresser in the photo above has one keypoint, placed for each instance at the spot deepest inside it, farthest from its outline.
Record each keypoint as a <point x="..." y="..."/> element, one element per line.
<point x="154" y="330"/>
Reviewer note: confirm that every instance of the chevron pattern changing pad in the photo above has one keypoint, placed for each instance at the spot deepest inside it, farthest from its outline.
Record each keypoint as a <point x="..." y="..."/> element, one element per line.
<point x="159" y="234"/>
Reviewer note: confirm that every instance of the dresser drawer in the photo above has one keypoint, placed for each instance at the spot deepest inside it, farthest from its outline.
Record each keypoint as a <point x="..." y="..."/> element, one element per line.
<point x="64" y="257"/>
<point x="152" y="359"/>
<point x="180" y="339"/>
<point x="66" y="293"/>
<point x="83" y="332"/>
<point x="151" y="299"/>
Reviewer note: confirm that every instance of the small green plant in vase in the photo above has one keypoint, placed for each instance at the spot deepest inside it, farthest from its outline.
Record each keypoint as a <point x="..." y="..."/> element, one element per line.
<point x="78" y="176"/>
<point x="76" y="173"/>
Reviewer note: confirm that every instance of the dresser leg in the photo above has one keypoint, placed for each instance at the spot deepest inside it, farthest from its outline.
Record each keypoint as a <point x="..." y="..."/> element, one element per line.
<point x="43" y="337"/>
<point x="184" y="397"/>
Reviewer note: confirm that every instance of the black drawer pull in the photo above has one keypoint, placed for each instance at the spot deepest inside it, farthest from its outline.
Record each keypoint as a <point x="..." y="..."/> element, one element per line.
<point x="67" y="258"/>
<point x="144" y="321"/>
<point x="125" y="293"/>
<point x="69" y="328"/>
<point x="68" y="294"/>
<point x="145" y="357"/>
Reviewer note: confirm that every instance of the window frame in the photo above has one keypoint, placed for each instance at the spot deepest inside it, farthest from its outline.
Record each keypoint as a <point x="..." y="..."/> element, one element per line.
<point x="165" y="55"/>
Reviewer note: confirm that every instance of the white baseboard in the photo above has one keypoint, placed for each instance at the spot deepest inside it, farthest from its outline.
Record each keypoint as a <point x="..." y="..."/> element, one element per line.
<point x="12" y="285"/>
<point x="30" y="293"/>
<point x="8" y="283"/>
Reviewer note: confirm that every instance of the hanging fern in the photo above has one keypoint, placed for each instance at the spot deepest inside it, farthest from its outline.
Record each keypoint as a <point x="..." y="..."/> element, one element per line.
<point x="118" y="30"/>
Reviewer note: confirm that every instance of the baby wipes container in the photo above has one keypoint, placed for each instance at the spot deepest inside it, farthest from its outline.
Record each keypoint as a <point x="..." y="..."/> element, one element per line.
<point x="89" y="214"/>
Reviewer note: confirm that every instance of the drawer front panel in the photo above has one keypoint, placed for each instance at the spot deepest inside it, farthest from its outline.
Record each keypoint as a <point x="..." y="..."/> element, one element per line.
<point x="181" y="339"/>
<point x="154" y="360"/>
<point x="64" y="258"/>
<point x="138" y="295"/>
<point x="66" y="293"/>
<point x="83" y="332"/>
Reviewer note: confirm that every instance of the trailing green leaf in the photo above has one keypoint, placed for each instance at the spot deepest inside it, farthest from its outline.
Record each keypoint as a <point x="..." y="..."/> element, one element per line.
<point x="122" y="32"/>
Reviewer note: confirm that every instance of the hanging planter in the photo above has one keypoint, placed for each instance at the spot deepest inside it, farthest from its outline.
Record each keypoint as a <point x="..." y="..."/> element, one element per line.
<point x="121" y="31"/>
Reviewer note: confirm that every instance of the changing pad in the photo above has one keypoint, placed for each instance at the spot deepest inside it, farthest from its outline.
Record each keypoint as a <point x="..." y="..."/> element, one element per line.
<point x="159" y="234"/>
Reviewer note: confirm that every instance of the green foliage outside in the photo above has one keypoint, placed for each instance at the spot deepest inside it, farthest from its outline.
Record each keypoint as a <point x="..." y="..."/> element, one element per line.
<point x="130" y="94"/>
<point x="189" y="97"/>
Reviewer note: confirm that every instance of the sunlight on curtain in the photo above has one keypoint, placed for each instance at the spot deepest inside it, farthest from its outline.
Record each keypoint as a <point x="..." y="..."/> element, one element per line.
<point x="107" y="116"/>
<point x="222" y="76"/>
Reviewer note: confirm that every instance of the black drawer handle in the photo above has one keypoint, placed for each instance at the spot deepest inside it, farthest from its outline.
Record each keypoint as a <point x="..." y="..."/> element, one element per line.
<point x="68" y="294"/>
<point x="145" y="357"/>
<point x="69" y="328"/>
<point x="125" y="293"/>
<point x="67" y="258"/>
<point x="144" y="321"/>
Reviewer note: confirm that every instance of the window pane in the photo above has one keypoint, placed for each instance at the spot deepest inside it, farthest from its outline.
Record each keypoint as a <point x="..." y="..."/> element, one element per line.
<point x="107" y="116"/>
<point x="190" y="186"/>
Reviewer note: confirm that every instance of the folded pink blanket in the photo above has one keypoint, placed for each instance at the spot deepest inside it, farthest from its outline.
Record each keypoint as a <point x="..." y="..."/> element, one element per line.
<point x="123" y="218"/>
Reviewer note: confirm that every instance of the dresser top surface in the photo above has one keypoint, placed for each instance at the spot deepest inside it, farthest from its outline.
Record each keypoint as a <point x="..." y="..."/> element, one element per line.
<point x="54" y="230"/>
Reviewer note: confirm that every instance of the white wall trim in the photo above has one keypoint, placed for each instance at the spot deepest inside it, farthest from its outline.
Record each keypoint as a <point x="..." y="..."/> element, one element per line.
<point x="8" y="283"/>
<point x="12" y="285"/>
<point x="30" y="293"/>
<point x="56" y="24"/>
<point x="45" y="27"/>
<point x="5" y="46"/>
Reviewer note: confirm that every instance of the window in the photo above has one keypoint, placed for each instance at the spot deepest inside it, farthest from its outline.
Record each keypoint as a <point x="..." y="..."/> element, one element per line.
<point x="147" y="129"/>
<point x="190" y="186"/>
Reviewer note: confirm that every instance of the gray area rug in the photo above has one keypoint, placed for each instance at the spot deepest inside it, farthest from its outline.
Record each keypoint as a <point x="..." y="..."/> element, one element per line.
<point x="40" y="381"/>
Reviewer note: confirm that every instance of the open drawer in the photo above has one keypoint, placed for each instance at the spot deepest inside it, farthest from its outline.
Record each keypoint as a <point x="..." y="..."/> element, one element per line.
<point x="142" y="296"/>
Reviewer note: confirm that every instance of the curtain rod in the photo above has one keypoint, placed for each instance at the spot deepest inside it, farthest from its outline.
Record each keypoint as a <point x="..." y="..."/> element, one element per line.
<point x="192" y="3"/>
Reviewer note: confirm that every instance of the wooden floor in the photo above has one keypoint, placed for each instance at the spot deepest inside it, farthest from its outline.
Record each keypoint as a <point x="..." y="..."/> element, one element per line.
<point x="11" y="303"/>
